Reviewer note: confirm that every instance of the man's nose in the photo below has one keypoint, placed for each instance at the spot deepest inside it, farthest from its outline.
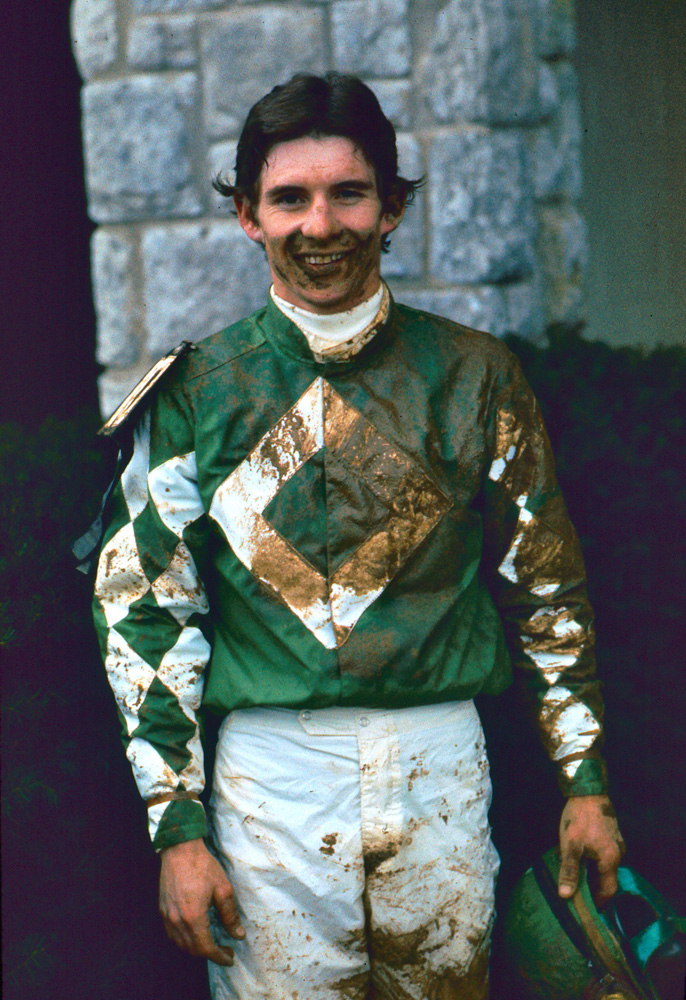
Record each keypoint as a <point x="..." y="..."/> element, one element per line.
<point x="320" y="222"/>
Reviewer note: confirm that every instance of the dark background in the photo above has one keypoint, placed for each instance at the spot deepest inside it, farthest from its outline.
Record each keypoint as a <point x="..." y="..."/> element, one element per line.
<point x="47" y="311"/>
<point x="79" y="887"/>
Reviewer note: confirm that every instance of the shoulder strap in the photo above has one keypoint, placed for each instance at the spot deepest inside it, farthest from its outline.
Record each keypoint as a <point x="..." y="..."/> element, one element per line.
<point x="120" y="426"/>
<point x="140" y="394"/>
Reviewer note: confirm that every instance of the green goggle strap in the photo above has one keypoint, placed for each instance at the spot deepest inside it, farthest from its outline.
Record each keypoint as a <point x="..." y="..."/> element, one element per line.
<point x="664" y="927"/>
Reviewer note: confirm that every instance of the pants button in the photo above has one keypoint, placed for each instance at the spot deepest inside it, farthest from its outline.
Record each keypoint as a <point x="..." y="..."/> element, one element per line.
<point x="364" y="721"/>
<point x="307" y="716"/>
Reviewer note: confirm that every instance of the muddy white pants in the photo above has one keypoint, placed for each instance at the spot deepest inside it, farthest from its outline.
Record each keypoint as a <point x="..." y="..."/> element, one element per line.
<point x="358" y="845"/>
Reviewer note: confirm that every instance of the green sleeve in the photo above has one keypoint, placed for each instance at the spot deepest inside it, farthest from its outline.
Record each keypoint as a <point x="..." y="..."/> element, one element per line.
<point x="150" y="611"/>
<point x="537" y="577"/>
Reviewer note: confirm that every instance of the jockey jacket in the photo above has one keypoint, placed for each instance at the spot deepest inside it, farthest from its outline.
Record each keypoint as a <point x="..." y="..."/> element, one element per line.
<point x="381" y="530"/>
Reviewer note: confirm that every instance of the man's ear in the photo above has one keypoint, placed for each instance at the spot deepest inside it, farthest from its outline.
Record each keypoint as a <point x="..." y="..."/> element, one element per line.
<point x="393" y="212"/>
<point x="246" y="218"/>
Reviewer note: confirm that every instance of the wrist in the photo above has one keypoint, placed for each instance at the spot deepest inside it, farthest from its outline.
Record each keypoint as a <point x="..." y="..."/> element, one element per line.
<point x="598" y="796"/>
<point x="589" y="778"/>
<point x="187" y="848"/>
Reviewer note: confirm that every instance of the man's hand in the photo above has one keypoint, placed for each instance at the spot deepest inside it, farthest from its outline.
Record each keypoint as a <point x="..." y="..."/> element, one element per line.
<point x="191" y="880"/>
<point x="589" y="828"/>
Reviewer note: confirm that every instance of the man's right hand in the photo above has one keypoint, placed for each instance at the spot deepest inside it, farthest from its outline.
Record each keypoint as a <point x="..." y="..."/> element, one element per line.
<point x="191" y="880"/>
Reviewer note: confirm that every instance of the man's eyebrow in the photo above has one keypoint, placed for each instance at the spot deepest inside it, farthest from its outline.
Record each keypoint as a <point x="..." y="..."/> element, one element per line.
<point x="357" y="184"/>
<point x="279" y="190"/>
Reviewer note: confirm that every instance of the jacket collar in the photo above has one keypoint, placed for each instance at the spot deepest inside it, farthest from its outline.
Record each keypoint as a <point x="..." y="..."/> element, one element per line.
<point x="287" y="338"/>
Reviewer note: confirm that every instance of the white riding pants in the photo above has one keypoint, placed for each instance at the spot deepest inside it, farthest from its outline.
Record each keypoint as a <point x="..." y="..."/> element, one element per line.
<point x="358" y="845"/>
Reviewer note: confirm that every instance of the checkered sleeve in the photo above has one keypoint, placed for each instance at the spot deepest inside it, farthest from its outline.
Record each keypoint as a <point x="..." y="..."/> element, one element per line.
<point x="150" y="611"/>
<point x="538" y="580"/>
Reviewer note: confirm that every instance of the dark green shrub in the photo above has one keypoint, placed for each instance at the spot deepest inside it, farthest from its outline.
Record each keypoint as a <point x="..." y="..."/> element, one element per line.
<point x="79" y="876"/>
<point x="617" y="422"/>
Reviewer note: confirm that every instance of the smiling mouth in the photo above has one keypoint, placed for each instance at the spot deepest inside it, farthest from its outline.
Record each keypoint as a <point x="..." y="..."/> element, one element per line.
<point x="322" y="259"/>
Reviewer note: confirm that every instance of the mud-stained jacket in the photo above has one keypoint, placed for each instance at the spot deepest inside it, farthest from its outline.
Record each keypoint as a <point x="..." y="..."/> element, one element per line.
<point x="381" y="531"/>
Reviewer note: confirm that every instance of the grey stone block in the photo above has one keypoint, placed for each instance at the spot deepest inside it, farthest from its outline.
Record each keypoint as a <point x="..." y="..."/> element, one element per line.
<point x="395" y="98"/>
<point x="547" y="164"/>
<point x="138" y="136"/>
<point x="524" y="308"/>
<point x="172" y="6"/>
<point x="555" y="148"/>
<point x="556" y="35"/>
<point x="222" y="158"/>
<point x="406" y="257"/>
<point x="248" y="51"/>
<point x="94" y="35"/>
<point x="514" y="81"/>
<point x="479" y="307"/>
<point x="569" y="129"/>
<point x="563" y="257"/>
<point x="481" y="65"/>
<point x="114" y="291"/>
<point x="453" y="72"/>
<point x="371" y="37"/>
<point x="162" y="43"/>
<point x="567" y="81"/>
<point x="480" y="207"/>
<point x="548" y="92"/>
<point x="198" y="278"/>
<point x="410" y="156"/>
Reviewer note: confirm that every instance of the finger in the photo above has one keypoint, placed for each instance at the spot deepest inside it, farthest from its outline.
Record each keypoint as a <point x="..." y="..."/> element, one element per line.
<point x="178" y="933"/>
<point x="606" y="890"/>
<point x="205" y="946"/>
<point x="213" y="952"/>
<point x="569" y="870"/>
<point x="191" y="932"/>
<point x="607" y="874"/>
<point x="225" y="904"/>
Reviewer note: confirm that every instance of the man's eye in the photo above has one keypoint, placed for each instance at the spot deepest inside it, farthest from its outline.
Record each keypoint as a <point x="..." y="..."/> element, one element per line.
<point x="290" y="198"/>
<point x="348" y="193"/>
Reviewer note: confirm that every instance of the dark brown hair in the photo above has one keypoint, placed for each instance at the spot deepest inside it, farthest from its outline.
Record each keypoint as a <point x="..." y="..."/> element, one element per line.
<point x="333" y="105"/>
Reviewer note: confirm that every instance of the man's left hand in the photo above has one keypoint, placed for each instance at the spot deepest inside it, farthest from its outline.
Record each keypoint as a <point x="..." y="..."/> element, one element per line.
<point x="589" y="828"/>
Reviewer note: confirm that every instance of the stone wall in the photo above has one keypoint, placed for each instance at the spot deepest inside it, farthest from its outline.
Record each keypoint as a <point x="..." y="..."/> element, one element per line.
<point x="482" y="93"/>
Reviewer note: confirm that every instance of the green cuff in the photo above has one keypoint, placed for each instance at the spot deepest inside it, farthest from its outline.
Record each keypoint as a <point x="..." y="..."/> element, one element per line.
<point x="183" y="819"/>
<point x="590" y="779"/>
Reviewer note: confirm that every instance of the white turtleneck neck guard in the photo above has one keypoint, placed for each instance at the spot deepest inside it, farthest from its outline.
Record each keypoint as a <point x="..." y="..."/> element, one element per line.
<point x="329" y="334"/>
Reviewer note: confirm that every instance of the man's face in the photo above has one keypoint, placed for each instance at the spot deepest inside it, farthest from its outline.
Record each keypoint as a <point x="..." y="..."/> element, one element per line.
<point x="320" y="220"/>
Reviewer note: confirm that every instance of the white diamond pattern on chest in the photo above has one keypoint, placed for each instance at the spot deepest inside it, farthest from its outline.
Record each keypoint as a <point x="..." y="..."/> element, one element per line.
<point x="329" y="607"/>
